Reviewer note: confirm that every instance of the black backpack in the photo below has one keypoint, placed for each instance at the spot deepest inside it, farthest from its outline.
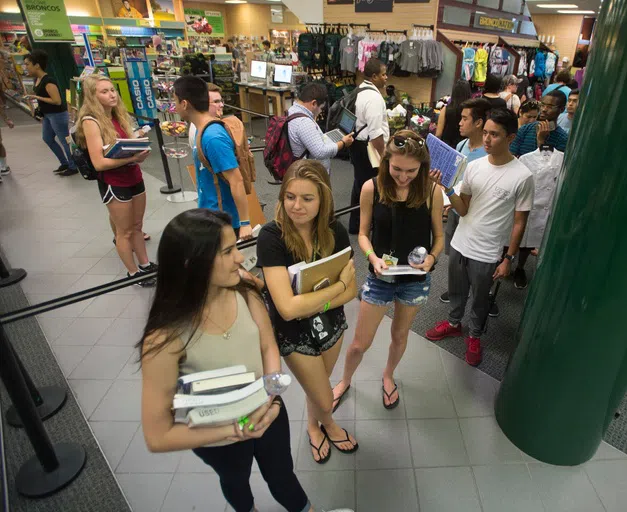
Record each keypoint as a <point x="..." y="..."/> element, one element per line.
<point x="306" y="49"/>
<point x="347" y="102"/>
<point x="332" y="50"/>
<point x="319" y="51"/>
<point x="81" y="157"/>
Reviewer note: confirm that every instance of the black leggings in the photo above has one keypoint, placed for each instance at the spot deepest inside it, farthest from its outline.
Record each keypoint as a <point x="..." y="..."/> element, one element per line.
<point x="233" y="464"/>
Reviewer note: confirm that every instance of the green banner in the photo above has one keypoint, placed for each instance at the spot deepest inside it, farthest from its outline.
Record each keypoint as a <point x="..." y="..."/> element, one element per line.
<point x="196" y="25"/>
<point x="47" y="20"/>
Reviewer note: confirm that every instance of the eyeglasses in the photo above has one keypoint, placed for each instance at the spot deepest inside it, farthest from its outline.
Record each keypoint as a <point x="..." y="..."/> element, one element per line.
<point x="401" y="140"/>
<point x="548" y="106"/>
<point x="218" y="102"/>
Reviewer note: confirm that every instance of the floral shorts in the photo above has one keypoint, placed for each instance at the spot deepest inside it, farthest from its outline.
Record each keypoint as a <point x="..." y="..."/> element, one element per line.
<point x="306" y="343"/>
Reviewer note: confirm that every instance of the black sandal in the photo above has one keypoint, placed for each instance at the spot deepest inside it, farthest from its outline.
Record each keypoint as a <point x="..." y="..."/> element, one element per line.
<point x="340" y="398"/>
<point x="317" y="448"/>
<point x="335" y="443"/>
<point x="392" y="405"/>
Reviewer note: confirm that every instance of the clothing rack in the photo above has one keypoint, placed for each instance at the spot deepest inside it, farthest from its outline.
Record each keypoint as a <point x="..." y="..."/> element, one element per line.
<point x="464" y="43"/>
<point x="385" y="31"/>
<point x="430" y="27"/>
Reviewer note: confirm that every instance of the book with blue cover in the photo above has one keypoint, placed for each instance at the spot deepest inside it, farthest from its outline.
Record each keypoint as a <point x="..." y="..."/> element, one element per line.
<point x="447" y="160"/>
<point x="124" y="148"/>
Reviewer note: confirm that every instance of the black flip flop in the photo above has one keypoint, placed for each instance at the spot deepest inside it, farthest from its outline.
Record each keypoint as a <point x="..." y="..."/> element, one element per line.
<point x="317" y="448"/>
<point x="335" y="443"/>
<point x="340" y="398"/>
<point x="393" y="405"/>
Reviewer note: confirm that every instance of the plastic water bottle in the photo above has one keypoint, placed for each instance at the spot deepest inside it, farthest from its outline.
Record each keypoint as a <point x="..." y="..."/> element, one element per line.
<point x="417" y="256"/>
<point x="276" y="383"/>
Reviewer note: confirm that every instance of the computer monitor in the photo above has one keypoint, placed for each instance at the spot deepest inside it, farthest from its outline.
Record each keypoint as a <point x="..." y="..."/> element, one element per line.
<point x="258" y="69"/>
<point x="282" y="74"/>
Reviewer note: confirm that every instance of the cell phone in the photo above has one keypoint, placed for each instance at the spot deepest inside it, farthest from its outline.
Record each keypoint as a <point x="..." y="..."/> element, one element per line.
<point x="322" y="284"/>
<point x="552" y="125"/>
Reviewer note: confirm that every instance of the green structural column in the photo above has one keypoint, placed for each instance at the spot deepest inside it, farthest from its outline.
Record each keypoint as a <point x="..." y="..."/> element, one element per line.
<point x="569" y="372"/>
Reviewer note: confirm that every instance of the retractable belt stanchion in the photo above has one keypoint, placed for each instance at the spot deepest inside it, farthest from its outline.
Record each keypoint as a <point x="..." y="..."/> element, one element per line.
<point x="169" y="188"/>
<point x="53" y="466"/>
<point x="48" y="400"/>
<point x="9" y="277"/>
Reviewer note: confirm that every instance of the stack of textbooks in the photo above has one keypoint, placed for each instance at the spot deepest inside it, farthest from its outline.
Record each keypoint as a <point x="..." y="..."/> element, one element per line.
<point x="124" y="148"/>
<point x="218" y="397"/>
<point x="311" y="277"/>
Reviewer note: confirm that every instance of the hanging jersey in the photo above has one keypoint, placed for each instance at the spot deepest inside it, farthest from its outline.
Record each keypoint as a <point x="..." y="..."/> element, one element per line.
<point x="481" y="65"/>
<point x="468" y="65"/>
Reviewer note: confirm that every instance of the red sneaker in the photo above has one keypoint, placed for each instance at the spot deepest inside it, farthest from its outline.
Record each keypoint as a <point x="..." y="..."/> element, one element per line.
<point x="473" y="351"/>
<point x="443" y="330"/>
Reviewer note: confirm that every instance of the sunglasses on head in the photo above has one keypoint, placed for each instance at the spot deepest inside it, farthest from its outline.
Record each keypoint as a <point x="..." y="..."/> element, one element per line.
<point x="401" y="140"/>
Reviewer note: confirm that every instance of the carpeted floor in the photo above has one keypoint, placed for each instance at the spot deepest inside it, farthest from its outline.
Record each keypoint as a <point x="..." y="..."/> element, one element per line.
<point x="95" y="489"/>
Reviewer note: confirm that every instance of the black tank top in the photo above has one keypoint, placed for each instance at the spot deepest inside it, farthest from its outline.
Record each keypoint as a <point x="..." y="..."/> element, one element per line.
<point x="451" y="135"/>
<point x="397" y="229"/>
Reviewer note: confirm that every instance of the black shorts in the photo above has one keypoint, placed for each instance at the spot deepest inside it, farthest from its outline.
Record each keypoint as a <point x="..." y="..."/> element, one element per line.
<point x="122" y="194"/>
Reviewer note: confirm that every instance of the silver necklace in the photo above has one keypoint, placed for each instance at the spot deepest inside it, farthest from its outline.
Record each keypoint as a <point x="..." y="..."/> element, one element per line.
<point x="226" y="333"/>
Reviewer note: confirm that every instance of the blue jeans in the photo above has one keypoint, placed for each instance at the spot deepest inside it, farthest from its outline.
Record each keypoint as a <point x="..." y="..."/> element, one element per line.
<point x="58" y="125"/>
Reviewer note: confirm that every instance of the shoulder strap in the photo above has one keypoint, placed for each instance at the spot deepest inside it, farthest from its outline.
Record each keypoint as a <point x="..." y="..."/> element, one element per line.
<point x="205" y="162"/>
<point x="295" y="116"/>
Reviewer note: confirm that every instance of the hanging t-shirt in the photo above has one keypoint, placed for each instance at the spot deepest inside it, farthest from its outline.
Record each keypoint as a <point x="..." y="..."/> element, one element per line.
<point x="481" y="66"/>
<point x="540" y="65"/>
<point x="551" y="59"/>
<point x="545" y="167"/>
<point x="411" y="52"/>
<point x="348" y="53"/>
<point x="497" y="192"/>
<point x="468" y="65"/>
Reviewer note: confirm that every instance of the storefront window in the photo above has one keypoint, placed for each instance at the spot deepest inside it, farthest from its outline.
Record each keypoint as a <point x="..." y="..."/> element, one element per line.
<point x="456" y="16"/>
<point x="514" y="6"/>
<point x="492" y="4"/>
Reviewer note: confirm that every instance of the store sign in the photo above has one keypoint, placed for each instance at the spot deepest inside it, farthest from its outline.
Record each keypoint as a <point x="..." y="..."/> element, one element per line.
<point x="276" y="14"/>
<point x="47" y="20"/>
<point x="140" y="86"/>
<point x="496" y="23"/>
<point x="204" y="23"/>
<point x="374" y="5"/>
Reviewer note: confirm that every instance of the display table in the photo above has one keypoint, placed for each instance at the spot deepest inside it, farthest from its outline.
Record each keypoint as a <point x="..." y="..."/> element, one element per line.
<point x="276" y="94"/>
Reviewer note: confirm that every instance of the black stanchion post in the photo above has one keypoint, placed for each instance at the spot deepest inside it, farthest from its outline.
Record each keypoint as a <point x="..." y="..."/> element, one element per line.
<point x="53" y="466"/>
<point x="48" y="400"/>
<point x="169" y="188"/>
<point x="9" y="277"/>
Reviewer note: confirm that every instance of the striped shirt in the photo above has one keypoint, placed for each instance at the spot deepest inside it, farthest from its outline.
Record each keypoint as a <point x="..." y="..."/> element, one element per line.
<point x="526" y="141"/>
<point x="306" y="136"/>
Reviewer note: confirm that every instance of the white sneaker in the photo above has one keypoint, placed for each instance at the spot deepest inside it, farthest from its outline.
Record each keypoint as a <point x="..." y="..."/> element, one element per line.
<point x="5" y="171"/>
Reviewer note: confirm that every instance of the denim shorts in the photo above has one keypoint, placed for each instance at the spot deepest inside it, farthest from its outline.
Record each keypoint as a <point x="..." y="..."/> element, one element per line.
<point x="381" y="293"/>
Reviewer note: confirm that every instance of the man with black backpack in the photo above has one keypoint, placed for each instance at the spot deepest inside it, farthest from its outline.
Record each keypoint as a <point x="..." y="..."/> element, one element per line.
<point x="219" y="180"/>
<point x="371" y="128"/>
<point x="306" y="137"/>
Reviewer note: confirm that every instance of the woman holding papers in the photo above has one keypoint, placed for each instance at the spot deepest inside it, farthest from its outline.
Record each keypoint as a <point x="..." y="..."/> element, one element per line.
<point x="205" y="317"/>
<point x="404" y="212"/>
<point x="310" y="326"/>
<point x="102" y="120"/>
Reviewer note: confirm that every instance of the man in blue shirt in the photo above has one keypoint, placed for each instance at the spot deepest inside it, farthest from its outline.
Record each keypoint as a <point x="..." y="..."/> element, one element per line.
<point x="191" y="98"/>
<point x="566" y="119"/>
<point x="561" y="79"/>
<point x="544" y="131"/>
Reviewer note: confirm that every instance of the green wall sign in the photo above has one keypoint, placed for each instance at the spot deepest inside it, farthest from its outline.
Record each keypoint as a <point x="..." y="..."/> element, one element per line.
<point x="47" y="20"/>
<point x="195" y="27"/>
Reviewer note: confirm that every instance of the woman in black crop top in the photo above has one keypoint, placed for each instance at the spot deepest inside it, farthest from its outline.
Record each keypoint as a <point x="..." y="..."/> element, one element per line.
<point x="56" y="119"/>
<point x="405" y="211"/>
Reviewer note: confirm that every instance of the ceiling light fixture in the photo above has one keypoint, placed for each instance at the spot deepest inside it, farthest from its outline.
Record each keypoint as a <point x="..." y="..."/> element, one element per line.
<point x="576" y="12"/>
<point x="235" y="2"/>
<point x="557" y="6"/>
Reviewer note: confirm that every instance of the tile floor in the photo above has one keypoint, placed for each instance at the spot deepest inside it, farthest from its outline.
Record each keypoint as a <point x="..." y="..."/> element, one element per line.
<point x="440" y="451"/>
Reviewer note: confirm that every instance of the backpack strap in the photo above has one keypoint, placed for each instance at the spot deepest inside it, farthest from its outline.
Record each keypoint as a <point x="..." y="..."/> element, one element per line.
<point x="205" y="162"/>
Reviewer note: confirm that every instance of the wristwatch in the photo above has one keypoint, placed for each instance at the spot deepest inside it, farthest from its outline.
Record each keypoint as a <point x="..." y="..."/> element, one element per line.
<point x="508" y="257"/>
